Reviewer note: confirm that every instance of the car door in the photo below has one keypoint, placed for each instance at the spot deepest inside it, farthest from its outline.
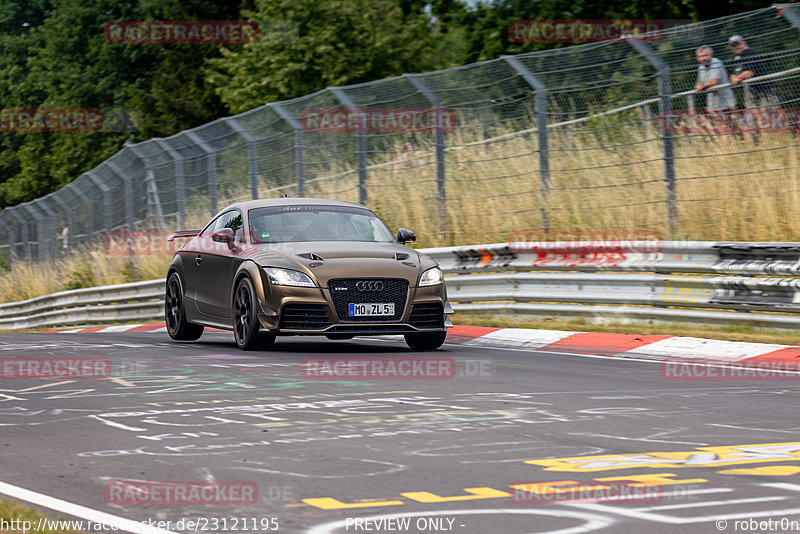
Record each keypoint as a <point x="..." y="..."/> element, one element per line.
<point x="214" y="268"/>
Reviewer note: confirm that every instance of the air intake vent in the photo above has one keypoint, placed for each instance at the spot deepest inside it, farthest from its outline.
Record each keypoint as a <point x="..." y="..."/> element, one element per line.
<point x="304" y="317"/>
<point x="400" y="256"/>
<point x="427" y="316"/>
<point x="311" y="256"/>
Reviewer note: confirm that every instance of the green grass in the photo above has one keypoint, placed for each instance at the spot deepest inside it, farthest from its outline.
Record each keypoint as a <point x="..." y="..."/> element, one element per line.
<point x="12" y="510"/>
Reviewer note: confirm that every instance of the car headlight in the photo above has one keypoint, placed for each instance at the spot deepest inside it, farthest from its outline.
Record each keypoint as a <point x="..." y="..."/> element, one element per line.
<point x="286" y="277"/>
<point x="431" y="277"/>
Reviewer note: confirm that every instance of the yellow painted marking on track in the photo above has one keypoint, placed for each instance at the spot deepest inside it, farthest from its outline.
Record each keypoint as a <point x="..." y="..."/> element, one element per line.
<point x="653" y="479"/>
<point x="477" y="493"/>
<point x="32" y="388"/>
<point x="701" y="457"/>
<point x="766" y="470"/>
<point x="329" y="503"/>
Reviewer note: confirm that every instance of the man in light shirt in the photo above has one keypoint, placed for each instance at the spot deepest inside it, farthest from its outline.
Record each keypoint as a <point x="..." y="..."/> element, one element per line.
<point x="720" y="103"/>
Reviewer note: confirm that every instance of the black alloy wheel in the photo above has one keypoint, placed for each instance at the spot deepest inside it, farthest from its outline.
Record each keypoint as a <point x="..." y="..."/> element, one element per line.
<point x="245" y="319"/>
<point x="178" y="327"/>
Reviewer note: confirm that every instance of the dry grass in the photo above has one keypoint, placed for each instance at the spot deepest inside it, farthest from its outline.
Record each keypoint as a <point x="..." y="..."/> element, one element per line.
<point x="85" y="268"/>
<point x="603" y="179"/>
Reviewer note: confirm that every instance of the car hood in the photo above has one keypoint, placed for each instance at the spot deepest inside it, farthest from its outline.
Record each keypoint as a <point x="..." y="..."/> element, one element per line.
<point x="345" y="259"/>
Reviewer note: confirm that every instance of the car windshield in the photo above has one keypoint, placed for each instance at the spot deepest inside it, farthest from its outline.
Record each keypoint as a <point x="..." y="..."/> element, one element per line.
<point x="316" y="223"/>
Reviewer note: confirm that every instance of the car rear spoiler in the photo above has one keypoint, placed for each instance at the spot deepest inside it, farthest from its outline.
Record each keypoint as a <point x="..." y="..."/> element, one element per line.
<point x="183" y="233"/>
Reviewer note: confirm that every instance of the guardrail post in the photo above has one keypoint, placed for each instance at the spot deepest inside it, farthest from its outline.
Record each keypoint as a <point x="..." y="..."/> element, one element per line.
<point x="664" y="107"/>
<point x="439" y="143"/>
<point x="180" y="189"/>
<point x="211" y="169"/>
<point x="540" y="108"/>
<point x="361" y="143"/>
<point x="299" y="147"/>
<point x="252" y="155"/>
<point x="106" y="198"/>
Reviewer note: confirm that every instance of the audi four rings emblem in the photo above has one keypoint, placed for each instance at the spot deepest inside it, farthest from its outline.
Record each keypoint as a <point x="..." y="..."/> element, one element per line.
<point x="369" y="285"/>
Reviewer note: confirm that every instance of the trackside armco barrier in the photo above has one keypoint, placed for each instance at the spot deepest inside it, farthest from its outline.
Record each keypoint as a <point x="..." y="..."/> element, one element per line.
<point x="702" y="281"/>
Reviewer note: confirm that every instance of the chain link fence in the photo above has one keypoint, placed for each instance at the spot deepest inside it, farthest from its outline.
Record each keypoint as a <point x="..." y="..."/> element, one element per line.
<point x="564" y="140"/>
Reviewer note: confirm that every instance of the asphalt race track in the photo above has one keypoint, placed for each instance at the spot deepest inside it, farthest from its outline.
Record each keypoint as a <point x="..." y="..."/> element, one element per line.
<point x="511" y="442"/>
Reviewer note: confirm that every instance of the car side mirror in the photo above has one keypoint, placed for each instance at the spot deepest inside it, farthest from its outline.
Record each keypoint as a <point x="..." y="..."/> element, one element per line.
<point x="404" y="235"/>
<point x="224" y="235"/>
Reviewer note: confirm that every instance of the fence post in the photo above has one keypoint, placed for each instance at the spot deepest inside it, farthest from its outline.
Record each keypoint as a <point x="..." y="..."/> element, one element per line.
<point x="87" y="204"/>
<point x="23" y="225"/>
<point x="70" y="226"/>
<point x="151" y="190"/>
<point x="789" y="14"/>
<point x="299" y="147"/>
<point x="252" y="155"/>
<point x="211" y="169"/>
<point x="361" y="143"/>
<point x="106" y="198"/>
<point x="540" y="108"/>
<point x="664" y="107"/>
<point x="439" y="143"/>
<point x="126" y="181"/>
<point x="34" y="211"/>
<point x="180" y="189"/>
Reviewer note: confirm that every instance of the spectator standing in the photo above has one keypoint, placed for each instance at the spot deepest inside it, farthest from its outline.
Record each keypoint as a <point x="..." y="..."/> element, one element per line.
<point x="749" y="64"/>
<point x="763" y="96"/>
<point x="720" y="103"/>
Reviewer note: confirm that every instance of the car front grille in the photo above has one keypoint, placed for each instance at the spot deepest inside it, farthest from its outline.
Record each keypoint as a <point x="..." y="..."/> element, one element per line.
<point x="427" y="316"/>
<point x="394" y="290"/>
<point x="304" y="317"/>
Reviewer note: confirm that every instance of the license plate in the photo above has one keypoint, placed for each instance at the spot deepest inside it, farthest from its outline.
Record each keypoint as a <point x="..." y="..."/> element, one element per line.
<point x="380" y="308"/>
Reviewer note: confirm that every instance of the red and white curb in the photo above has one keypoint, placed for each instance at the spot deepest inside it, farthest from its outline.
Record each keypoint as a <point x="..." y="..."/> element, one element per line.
<point x="620" y="345"/>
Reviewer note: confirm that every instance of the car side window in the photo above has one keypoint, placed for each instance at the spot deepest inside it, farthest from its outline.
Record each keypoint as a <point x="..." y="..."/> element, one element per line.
<point x="233" y="220"/>
<point x="230" y="219"/>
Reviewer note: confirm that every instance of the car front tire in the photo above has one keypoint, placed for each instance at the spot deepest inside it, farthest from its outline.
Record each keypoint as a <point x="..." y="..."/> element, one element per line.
<point x="178" y="327"/>
<point x="245" y="319"/>
<point x="425" y="341"/>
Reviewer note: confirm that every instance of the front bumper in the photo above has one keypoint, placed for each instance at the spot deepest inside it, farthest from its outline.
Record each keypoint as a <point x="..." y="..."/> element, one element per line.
<point x="311" y="311"/>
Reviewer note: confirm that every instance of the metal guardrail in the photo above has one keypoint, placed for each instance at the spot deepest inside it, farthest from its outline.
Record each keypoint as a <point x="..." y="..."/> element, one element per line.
<point x="710" y="282"/>
<point x="116" y="303"/>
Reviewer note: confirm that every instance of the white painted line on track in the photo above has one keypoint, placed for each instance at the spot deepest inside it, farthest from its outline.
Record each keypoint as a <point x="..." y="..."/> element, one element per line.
<point x="83" y="512"/>
<point x="709" y="503"/>
<point x="119" y="328"/>
<point x="698" y="348"/>
<point x="524" y="337"/>
<point x="591" y="521"/>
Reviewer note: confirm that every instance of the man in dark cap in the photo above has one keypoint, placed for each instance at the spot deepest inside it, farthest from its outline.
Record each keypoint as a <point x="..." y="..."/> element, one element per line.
<point x="750" y="64"/>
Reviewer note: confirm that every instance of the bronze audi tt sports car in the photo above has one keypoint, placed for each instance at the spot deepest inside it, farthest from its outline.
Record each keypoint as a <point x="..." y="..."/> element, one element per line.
<point x="304" y="266"/>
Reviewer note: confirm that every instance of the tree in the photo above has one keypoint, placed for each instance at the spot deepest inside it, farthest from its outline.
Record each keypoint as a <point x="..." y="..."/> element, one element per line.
<point x="60" y="59"/>
<point x="307" y="45"/>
